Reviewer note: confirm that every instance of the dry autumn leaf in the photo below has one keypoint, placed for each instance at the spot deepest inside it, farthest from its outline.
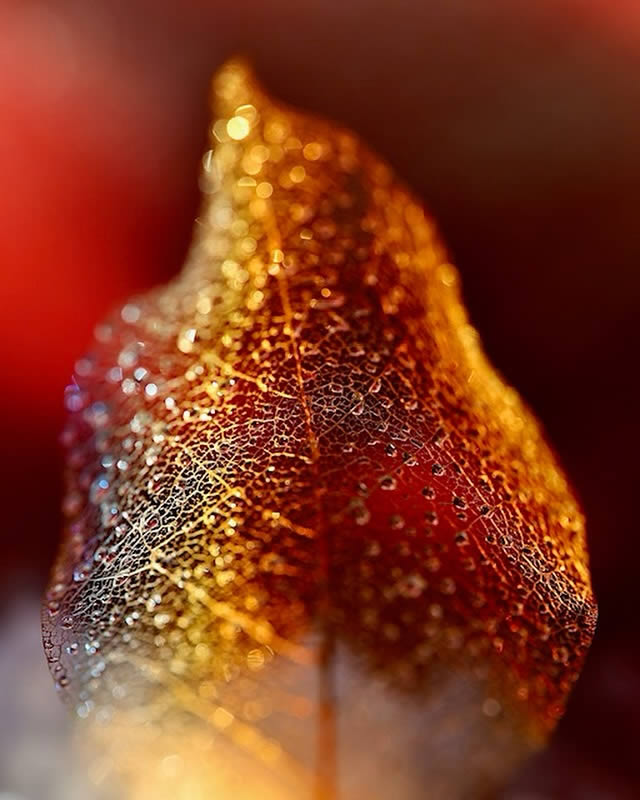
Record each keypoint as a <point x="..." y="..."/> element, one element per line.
<point x="315" y="547"/>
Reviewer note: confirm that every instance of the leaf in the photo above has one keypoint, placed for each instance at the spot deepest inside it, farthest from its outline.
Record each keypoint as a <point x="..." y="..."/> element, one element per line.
<point x="314" y="544"/>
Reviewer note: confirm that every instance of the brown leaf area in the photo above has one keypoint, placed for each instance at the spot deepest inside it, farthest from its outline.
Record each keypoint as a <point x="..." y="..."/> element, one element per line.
<point x="315" y="547"/>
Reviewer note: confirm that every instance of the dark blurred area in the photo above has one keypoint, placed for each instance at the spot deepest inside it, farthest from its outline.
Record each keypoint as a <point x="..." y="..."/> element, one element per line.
<point x="520" y="127"/>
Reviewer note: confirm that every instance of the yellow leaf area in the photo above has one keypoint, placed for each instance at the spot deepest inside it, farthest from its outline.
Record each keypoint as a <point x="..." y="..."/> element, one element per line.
<point x="314" y="546"/>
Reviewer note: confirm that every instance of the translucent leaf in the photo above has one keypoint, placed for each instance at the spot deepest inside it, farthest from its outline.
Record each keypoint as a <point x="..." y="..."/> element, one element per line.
<point x="315" y="546"/>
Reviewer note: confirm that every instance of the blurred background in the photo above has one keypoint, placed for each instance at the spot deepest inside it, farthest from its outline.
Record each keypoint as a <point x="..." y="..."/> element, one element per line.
<point x="519" y="125"/>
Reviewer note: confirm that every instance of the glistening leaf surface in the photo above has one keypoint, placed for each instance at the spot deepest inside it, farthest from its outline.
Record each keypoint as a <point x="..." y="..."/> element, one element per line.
<point x="314" y="545"/>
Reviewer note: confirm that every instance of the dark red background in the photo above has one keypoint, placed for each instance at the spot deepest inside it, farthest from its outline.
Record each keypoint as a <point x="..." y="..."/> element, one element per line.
<point x="520" y="125"/>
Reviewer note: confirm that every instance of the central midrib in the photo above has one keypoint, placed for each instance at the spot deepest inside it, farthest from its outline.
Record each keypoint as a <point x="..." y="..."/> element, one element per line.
<point x="325" y="787"/>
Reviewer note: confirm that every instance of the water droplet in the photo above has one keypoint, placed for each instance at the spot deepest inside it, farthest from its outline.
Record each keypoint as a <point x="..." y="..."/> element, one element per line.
<point x="388" y="483"/>
<point x="82" y="571"/>
<point x="491" y="707"/>
<point x="412" y="585"/>
<point x="448" y="586"/>
<point x="99" y="488"/>
<point x="396" y="521"/>
<point x="130" y="313"/>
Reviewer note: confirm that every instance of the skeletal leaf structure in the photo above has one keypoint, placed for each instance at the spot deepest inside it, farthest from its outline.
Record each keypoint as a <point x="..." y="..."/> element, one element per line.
<point x="314" y="546"/>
